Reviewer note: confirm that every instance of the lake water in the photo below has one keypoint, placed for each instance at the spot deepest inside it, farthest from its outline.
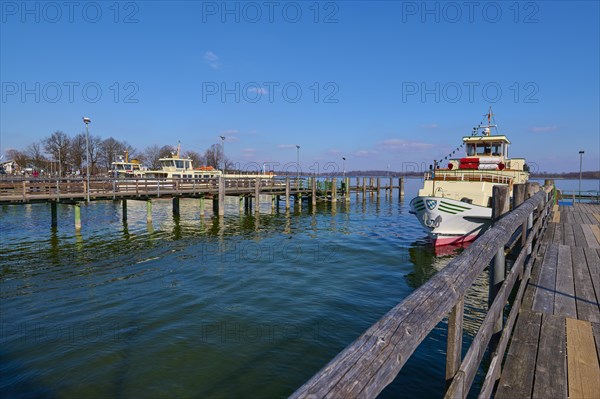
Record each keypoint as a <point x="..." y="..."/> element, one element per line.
<point x="243" y="306"/>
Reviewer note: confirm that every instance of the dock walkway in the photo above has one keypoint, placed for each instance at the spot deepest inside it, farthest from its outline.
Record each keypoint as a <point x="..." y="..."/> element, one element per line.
<point x="555" y="348"/>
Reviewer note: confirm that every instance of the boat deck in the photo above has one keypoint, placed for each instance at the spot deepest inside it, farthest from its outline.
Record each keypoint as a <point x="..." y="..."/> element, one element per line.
<point x="555" y="348"/>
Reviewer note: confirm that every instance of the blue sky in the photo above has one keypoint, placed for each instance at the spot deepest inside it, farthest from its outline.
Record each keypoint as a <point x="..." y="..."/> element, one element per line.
<point x="381" y="83"/>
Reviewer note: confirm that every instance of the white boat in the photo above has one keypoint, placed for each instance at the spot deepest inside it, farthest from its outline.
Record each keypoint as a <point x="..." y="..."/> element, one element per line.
<point x="178" y="167"/>
<point x="454" y="205"/>
<point x="122" y="167"/>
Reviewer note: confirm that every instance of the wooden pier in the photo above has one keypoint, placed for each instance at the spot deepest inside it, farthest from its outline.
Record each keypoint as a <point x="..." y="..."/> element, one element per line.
<point x="248" y="189"/>
<point x="550" y="293"/>
<point x="555" y="348"/>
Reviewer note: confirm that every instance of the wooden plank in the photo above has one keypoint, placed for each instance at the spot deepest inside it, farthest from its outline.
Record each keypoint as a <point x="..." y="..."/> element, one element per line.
<point x="549" y="233"/>
<point x="585" y="298"/>
<point x="551" y="368"/>
<point x="593" y="263"/>
<point x="557" y="239"/>
<point x="583" y="368"/>
<point x="564" y="297"/>
<point x="556" y="215"/>
<point x="517" y="376"/>
<point x="596" y="330"/>
<point x="580" y="240"/>
<point x="534" y="280"/>
<point x="568" y="217"/>
<point x="590" y="236"/>
<point x="569" y="238"/>
<point x="543" y="300"/>
<point x="596" y="230"/>
<point x="597" y="216"/>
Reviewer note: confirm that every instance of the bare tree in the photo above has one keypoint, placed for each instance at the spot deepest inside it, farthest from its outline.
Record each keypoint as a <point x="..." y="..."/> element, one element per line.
<point x="57" y="145"/>
<point x="95" y="143"/>
<point x="77" y="151"/>
<point x="150" y="157"/>
<point x="196" y="158"/>
<point x="110" y="148"/>
<point x="213" y="156"/>
<point x="35" y="154"/>
<point x="20" y="158"/>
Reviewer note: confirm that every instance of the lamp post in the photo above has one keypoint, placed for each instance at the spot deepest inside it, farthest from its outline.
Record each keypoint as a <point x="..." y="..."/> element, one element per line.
<point x="344" y="175"/>
<point x="580" y="165"/>
<point x="87" y="121"/>
<point x="298" y="160"/>
<point x="59" y="164"/>
<point x="223" y="151"/>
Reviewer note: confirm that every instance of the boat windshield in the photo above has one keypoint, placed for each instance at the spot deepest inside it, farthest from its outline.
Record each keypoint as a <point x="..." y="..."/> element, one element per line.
<point x="482" y="149"/>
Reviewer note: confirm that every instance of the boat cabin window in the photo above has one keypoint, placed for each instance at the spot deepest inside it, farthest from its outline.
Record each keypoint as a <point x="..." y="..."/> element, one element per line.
<point x="483" y="149"/>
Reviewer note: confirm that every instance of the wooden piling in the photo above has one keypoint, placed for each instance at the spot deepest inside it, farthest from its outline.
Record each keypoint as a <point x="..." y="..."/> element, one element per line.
<point x="221" y="200"/>
<point x="500" y="206"/>
<point x="202" y="205"/>
<point x="314" y="192"/>
<point x="364" y="187"/>
<point x="391" y="187"/>
<point x="378" y="186"/>
<point x="175" y="206"/>
<point x="257" y="194"/>
<point x="401" y="187"/>
<point x="241" y="203"/>
<point x="77" y="212"/>
<point x="149" y="211"/>
<point x="54" y="214"/>
<point x="124" y="203"/>
<point x="333" y="190"/>
<point x="347" y="190"/>
<point x="287" y="193"/>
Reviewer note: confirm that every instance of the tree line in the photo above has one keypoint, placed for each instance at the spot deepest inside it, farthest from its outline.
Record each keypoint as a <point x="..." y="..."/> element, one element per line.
<point x="61" y="154"/>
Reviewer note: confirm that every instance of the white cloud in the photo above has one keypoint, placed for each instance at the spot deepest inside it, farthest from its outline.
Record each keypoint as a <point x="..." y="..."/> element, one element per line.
<point x="286" y="146"/>
<point x="364" y="153"/>
<point x="404" y="145"/>
<point x="430" y="126"/>
<point x="212" y="59"/>
<point x="543" y="129"/>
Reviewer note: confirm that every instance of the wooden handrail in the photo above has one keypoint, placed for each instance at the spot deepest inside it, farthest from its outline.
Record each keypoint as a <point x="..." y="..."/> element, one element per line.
<point x="374" y="359"/>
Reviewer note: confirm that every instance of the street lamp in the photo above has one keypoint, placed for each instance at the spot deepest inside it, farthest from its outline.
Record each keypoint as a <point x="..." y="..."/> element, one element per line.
<point x="344" y="175"/>
<point x="87" y="121"/>
<point x="298" y="159"/>
<point x="580" y="165"/>
<point x="223" y="151"/>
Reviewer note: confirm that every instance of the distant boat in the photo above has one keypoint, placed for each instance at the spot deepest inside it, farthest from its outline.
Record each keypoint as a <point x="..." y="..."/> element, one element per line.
<point x="454" y="205"/>
<point x="122" y="167"/>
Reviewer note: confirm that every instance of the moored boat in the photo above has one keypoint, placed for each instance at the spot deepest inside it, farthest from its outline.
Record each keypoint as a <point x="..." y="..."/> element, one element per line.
<point x="123" y="167"/>
<point x="454" y="205"/>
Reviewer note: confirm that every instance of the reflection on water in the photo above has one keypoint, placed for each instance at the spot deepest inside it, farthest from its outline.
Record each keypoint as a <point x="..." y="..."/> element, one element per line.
<point x="245" y="305"/>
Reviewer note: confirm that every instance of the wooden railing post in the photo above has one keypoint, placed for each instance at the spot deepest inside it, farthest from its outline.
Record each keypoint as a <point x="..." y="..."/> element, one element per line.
<point x="500" y="205"/>
<point x="454" y="341"/>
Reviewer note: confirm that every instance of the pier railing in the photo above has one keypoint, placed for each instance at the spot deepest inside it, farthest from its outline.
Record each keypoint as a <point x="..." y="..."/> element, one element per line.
<point x="374" y="359"/>
<point x="23" y="189"/>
